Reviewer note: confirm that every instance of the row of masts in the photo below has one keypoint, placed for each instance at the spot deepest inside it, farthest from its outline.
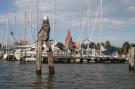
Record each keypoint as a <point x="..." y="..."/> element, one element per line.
<point x="27" y="21"/>
<point x="91" y="23"/>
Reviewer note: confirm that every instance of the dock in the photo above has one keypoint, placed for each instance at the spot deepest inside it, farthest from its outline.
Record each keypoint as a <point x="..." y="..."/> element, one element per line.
<point x="72" y="59"/>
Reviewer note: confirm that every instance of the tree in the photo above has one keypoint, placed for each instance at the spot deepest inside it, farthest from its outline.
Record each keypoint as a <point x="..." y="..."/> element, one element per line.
<point x="84" y="46"/>
<point x="125" y="47"/>
<point x="98" y="46"/>
<point x="107" y="44"/>
<point x="132" y="45"/>
<point x="92" y="45"/>
<point x="120" y="51"/>
<point x="60" y="45"/>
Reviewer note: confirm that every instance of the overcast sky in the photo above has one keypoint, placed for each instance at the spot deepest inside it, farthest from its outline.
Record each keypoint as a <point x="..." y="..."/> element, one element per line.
<point x="78" y="16"/>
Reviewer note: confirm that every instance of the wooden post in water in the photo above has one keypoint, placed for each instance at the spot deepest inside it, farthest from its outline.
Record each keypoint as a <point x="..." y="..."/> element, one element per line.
<point x="39" y="57"/>
<point x="131" y="58"/>
<point x="43" y="35"/>
<point x="50" y="59"/>
<point x="13" y="54"/>
<point x="21" y="55"/>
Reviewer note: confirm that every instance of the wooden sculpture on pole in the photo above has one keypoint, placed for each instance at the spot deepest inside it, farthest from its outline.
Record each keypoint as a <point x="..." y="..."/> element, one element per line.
<point x="43" y="35"/>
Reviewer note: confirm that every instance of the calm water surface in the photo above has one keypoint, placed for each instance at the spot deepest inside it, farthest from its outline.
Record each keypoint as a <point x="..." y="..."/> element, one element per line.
<point x="68" y="76"/>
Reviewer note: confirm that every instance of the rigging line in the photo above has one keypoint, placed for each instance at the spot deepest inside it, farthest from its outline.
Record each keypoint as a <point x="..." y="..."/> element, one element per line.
<point x="54" y="21"/>
<point x="94" y="23"/>
<point x="83" y="23"/>
<point x="14" y="29"/>
<point x="89" y="25"/>
<point x="6" y="33"/>
<point x="80" y="25"/>
<point x="89" y="16"/>
<point x="25" y="22"/>
<point x="3" y="31"/>
<point x="101" y="21"/>
<point x="30" y="21"/>
<point x="25" y="28"/>
<point x="10" y="32"/>
<point x="37" y="16"/>
<point x="90" y="21"/>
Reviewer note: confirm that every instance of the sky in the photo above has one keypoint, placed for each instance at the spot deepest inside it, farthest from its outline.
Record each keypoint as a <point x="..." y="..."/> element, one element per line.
<point x="112" y="20"/>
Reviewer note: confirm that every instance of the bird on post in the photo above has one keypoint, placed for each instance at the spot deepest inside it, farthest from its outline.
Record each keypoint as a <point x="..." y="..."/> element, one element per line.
<point x="43" y="34"/>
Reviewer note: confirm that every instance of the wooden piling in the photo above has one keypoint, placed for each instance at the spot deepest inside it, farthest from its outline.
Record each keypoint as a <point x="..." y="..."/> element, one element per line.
<point x="81" y="60"/>
<point x="13" y="54"/>
<point x="50" y="63"/>
<point x="39" y="57"/>
<point x="131" y="58"/>
<point x="21" y="58"/>
<point x="50" y="59"/>
<point x="43" y="35"/>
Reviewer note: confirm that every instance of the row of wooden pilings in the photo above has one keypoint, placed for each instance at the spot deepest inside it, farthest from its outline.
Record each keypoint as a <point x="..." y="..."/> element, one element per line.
<point x="39" y="59"/>
<point x="131" y="60"/>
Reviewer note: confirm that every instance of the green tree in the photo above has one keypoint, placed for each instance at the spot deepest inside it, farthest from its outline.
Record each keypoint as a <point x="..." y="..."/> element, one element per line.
<point x="98" y="45"/>
<point x="125" y="47"/>
<point x="60" y="45"/>
<point x="133" y="45"/>
<point x="84" y="46"/>
<point x="92" y="45"/>
<point x="120" y="51"/>
<point x="107" y="44"/>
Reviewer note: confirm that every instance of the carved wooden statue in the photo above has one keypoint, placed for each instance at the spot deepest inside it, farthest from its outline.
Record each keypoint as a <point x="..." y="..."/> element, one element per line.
<point x="43" y="34"/>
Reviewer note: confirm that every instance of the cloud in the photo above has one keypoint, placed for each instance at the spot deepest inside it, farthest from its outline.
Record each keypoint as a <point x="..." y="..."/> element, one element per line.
<point x="115" y="12"/>
<point x="70" y="13"/>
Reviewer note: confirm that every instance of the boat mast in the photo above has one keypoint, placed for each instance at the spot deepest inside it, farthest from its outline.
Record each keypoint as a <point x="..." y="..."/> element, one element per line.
<point x="94" y="23"/>
<point x="3" y="42"/>
<point x="54" y="21"/>
<point x="25" y="28"/>
<point x="37" y="16"/>
<point x="101" y="26"/>
<point x="7" y="43"/>
<point x="101" y="17"/>
<point x="30" y="20"/>
<point x="80" y="25"/>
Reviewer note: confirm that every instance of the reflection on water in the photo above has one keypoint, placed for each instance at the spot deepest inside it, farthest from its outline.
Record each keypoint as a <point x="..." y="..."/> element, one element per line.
<point x="38" y="82"/>
<point x="67" y="76"/>
<point x="50" y="81"/>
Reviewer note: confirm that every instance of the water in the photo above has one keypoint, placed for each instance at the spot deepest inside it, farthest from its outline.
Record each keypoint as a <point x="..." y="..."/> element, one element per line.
<point x="67" y="76"/>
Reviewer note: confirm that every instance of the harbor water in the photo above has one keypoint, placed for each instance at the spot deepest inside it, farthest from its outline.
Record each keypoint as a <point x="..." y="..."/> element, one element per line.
<point x="14" y="75"/>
